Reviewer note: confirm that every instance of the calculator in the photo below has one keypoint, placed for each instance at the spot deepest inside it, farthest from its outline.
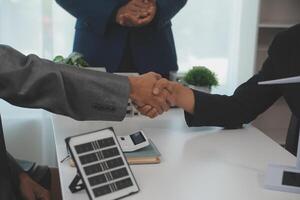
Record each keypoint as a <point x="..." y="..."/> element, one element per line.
<point x="102" y="165"/>
<point x="133" y="142"/>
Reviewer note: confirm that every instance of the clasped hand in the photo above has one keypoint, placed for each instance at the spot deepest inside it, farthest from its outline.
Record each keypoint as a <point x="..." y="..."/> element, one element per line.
<point x="136" y="13"/>
<point x="152" y="94"/>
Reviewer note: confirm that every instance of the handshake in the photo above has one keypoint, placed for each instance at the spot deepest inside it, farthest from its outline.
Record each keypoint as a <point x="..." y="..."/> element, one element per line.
<point x="154" y="95"/>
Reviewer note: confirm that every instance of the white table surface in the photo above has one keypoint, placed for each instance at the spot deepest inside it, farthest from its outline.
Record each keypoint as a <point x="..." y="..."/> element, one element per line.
<point x="197" y="163"/>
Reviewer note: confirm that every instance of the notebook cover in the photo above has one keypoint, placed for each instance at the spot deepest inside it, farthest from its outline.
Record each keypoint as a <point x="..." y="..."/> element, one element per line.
<point x="143" y="161"/>
<point x="148" y="151"/>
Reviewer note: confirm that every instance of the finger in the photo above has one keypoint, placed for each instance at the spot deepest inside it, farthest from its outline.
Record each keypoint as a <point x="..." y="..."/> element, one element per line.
<point x="137" y="11"/>
<point x="145" y="109"/>
<point x="144" y="21"/>
<point x="140" y="11"/>
<point x="171" y="100"/>
<point x="152" y="11"/>
<point x="139" y="8"/>
<point x="128" y="20"/>
<point x="143" y="13"/>
<point x="156" y="75"/>
<point x="125" y="20"/>
<point x="165" y="105"/>
<point x="157" y="104"/>
<point x="133" y="19"/>
<point x="148" y="18"/>
<point x="152" y="113"/>
<point x="162" y="84"/>
<point x="141" y="4"/>
<point x="136" y="18"/>
<point x="138" y="104"/>
<point x="160" y="104"/>
<point x="120" y="20"/>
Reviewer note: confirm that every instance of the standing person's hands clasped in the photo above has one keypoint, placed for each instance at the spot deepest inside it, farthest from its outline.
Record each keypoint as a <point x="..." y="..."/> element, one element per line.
<point x="136" y="13"/>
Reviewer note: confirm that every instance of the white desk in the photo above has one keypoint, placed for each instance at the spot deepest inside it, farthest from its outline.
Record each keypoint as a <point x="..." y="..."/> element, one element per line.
<point x="197" y="163"/>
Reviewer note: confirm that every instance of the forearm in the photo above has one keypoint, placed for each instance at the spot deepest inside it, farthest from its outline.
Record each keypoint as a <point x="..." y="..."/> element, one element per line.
<point x="184" y="98"/>
<point x="247" y="102"/>
<point x="29" y="81"/>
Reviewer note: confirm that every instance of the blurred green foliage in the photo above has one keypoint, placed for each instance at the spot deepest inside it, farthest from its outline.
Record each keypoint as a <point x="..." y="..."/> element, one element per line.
<point x="74" y="59"/>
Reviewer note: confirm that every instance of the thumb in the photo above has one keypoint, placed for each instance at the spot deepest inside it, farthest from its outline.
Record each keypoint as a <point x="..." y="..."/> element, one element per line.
<point x="156" y="91"/>
<point x="156" y="75"/>
<point x="160" y="85"/>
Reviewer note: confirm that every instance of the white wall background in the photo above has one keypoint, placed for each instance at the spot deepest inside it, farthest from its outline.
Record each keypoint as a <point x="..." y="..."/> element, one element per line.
<point x="218" y="34"/>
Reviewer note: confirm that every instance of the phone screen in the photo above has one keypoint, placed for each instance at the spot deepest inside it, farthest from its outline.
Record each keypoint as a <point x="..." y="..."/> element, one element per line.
<point x="291" y="179"/>
<point x="137" y="138"/>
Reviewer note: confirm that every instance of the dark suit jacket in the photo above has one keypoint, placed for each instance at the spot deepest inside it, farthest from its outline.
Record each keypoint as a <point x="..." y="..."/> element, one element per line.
<point x="250" y="99"/>
<point x="8" y="173"/>
<point x="102" y="41"/>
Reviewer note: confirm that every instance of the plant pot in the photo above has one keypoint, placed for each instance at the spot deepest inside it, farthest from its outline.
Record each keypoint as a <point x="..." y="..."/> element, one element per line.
<point x="205" y="89"/>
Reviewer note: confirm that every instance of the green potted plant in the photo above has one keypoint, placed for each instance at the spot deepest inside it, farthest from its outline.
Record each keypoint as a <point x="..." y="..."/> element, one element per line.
<point x="200" y="78"/>
<point x="76" y="60"/>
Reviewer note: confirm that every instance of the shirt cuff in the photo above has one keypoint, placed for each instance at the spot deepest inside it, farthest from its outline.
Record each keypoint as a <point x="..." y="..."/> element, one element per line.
<point x="192" y="119"/>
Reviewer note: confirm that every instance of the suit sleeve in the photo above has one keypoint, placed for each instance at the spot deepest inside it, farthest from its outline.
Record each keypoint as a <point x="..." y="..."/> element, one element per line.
<point x="249" y="100"/>
<point x="96" y="14"/>
<point x="14" y="165"/>
<point x="166" y="10"/>
<point x="29" y="81"/>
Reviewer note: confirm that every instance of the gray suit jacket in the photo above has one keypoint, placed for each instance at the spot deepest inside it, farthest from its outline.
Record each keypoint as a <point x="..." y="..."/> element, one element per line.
<point x="31" y="82"/>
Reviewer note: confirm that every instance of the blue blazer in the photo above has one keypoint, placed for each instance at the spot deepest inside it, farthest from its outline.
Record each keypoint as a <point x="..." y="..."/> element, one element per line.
<point x="102" y="41"/>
